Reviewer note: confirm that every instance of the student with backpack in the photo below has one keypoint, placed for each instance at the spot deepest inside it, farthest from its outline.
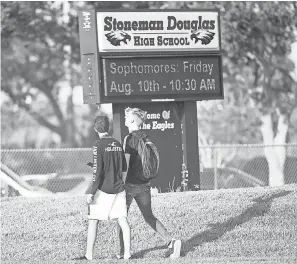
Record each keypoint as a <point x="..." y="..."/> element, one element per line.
<point x="143" y="163"/>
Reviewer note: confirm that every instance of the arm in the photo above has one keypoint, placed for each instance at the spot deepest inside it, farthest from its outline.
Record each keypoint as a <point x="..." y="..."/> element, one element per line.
<point x="97" y="169"/>
<point x="127" y="158"/>
<point x="127" y="151"/>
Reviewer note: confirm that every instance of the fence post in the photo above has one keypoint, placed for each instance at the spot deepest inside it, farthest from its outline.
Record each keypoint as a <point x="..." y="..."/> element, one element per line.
<point x="215" y="169"/>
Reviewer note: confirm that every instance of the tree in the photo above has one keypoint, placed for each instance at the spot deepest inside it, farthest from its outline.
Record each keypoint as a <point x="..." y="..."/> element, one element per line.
<point x="41" y="59"/>
<point x="35" y="36"/>
<point x="257" y="38"/>
<point x="262" y="36"/>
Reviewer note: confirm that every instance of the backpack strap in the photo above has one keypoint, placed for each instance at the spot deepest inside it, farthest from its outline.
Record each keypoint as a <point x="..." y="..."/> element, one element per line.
<point x="125" y="141"/>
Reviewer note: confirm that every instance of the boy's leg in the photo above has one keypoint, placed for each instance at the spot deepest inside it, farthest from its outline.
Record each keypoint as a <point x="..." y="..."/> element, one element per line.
<point x="129" y="199"/>
<point x="92" y="234"/>
<point x="126" y="235"/>
<point x="144" y="203"/>
<point x="120" y="236"/>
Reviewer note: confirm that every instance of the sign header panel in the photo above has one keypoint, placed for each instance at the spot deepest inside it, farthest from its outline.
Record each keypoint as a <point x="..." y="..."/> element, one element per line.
<point x="176" y="78"/>
<point x="158" y="31"/>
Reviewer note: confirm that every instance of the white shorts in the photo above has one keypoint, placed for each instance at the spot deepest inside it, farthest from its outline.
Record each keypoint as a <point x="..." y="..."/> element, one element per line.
<point x="107" y="206"/>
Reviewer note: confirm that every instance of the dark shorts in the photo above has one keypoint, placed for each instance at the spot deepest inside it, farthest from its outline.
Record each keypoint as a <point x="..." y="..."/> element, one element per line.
<point x="142" y="195"/>
<point x="134" y="189"/>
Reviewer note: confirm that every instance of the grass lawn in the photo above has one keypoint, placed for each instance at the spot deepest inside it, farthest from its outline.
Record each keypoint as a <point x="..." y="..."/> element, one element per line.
<point x="257" y="225"/>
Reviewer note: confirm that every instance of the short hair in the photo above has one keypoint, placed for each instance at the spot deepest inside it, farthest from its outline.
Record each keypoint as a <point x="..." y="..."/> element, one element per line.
<point x="101" y="124"/>
<point x="138" y="114"/>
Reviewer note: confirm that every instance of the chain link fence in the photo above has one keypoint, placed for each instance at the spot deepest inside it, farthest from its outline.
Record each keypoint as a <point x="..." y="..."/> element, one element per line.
<point x="31" y="171"/>
<point x="54" y="170"/>
<point x="241" y="166"/>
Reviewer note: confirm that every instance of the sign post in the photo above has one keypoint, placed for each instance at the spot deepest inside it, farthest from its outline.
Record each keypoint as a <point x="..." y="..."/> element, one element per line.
<point x="162" y="61"/>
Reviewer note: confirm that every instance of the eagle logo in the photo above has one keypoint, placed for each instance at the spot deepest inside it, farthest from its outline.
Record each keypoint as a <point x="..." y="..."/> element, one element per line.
<point x="113" y="144"/>
<point x="204" y="35"/>
<point x="116" y="37"/>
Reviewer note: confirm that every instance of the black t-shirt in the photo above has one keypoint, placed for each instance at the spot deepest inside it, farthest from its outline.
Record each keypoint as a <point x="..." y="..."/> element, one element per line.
<point x="108" y="164"/>
<point x="135" y="169"/>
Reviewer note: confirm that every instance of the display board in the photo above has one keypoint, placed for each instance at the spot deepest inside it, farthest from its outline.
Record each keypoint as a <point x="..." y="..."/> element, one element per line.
<point x="152" y="55"/>
<point x="154" y="78"/>
<point x="163" y="30"/>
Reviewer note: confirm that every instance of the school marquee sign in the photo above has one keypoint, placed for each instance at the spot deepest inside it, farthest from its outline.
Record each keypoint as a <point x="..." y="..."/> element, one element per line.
<point x="151" y="55"/>
<point x="132" y="31"/>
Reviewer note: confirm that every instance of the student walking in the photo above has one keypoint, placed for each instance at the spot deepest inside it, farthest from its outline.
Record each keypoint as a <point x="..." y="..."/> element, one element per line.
<point x="137" y="186"/>
<point x="106" y="195"/>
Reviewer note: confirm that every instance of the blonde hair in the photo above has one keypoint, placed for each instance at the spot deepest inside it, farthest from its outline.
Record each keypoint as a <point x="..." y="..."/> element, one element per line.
<point x="138" y="114"/>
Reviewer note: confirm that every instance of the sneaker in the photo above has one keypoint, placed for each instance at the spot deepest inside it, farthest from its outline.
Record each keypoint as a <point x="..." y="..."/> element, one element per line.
<point x="127" y="256"/>
<point x="170" y="244"/>
<point x="123" y="256"/>
<point x="176" y="245"/>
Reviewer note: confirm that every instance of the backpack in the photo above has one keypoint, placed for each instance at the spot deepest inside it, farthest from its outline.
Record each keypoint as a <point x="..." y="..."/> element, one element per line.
<point x="150" y="157"/>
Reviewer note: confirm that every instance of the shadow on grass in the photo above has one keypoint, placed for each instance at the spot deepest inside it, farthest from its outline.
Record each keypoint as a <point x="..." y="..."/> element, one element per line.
<point x="141" y="253"/>
<point x="260" y="207"/>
